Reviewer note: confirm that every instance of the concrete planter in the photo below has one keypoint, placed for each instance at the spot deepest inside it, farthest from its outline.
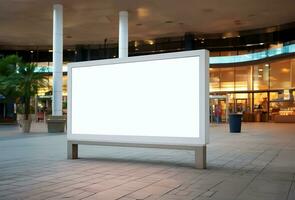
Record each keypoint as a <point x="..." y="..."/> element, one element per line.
<point x="26" y="125"/>
<point x="56" y="124"/>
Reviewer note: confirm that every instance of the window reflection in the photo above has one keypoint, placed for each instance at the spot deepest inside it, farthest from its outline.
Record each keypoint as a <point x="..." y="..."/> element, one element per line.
<point x="280" y="75"/>
<point x="227" y="79"/>
<point x="214" y="80"/>
<point x="243" y="78"/>
<point x="261" y="77"/>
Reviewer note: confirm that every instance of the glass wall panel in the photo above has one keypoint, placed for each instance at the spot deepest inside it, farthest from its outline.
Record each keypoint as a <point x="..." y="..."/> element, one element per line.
<point x="280" y="75"/>
<point x="261" y="77"/>
<point x="214" y="80"/>
<point x="227" y="79"/>
<point x="261" y="101"/>
<point x="243" y="78"/>
<point x="243" y="102"/>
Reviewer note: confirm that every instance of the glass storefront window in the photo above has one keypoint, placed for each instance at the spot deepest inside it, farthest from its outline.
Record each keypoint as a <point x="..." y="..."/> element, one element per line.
<point x="261" y="101"/>
<point x="227" y="79"/>
<point x="280" y="75"/>
<point x="243" y="102"/>
<point x="214" y="80"/>
<point x="261" y="77"/>
<point x="243" y="78"/>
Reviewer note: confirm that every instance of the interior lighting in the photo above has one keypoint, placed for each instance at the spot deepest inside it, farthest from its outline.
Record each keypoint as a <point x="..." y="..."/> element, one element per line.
<point x="285" y="70"/>
<point x="142" y="12"/>
<point x="150" y="42"/>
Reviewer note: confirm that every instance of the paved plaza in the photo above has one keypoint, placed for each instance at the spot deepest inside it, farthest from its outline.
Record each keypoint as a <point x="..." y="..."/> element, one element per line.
<point x="258" y="163"/>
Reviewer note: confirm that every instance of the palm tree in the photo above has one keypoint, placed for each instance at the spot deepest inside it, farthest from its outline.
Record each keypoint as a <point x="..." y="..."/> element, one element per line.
<point x="23" y="82"/>
<point x="8" y="66"/>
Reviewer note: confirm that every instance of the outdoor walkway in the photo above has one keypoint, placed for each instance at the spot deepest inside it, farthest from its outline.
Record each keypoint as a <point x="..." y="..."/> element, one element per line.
<point x="256" y="164"/>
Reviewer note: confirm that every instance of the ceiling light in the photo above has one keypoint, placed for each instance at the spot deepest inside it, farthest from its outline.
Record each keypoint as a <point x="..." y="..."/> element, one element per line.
<point x="150" y="42"/>
<point x="142" y="12"/>
<point x="231" y="34"/>
<point x="169" y="22"/>
<point x="261" y="43"/>
<point x="32" y="51"/>
<point x="266" y="65"/>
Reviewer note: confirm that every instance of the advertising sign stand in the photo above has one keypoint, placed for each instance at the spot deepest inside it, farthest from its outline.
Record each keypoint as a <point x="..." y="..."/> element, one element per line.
<point x="200" y="151"/>
<point x="154" y="101"/>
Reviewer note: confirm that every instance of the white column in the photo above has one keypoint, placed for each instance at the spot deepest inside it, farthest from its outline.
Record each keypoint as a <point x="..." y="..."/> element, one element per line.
<point x="123" y="34"/>
<point x="57" y="59"/>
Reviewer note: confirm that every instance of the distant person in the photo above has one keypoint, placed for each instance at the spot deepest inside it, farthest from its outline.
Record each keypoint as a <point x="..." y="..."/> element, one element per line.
<point x="218" y="113"/>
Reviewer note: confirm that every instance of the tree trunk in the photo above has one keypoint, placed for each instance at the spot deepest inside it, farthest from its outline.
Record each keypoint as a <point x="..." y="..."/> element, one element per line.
<point x="27" y="108"/>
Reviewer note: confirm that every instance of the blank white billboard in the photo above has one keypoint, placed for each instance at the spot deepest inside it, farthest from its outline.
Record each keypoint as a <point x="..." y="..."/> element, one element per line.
<point x="154" y="99"/>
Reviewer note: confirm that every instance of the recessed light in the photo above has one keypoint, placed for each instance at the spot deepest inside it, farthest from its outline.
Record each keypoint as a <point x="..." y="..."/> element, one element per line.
<point x="207" y="10"/>
<point x="142" y="12"/>
<point x="168" y="22"/>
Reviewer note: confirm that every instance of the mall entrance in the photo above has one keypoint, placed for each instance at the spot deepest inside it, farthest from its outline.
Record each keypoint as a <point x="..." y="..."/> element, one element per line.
<point x="218" y="108"/>
<point x="258" y="106"/>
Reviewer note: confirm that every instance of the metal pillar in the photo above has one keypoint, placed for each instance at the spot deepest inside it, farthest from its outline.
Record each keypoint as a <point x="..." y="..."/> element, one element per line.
<point x="123" y="34"/>
<point x="57" y="59"/>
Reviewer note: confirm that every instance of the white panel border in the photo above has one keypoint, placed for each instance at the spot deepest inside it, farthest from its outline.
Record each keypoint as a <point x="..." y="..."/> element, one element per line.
<point x="203" y="102"/>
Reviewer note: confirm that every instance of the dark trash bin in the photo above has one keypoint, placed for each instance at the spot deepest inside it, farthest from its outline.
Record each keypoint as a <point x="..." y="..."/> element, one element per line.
<point x="235" y="122"/>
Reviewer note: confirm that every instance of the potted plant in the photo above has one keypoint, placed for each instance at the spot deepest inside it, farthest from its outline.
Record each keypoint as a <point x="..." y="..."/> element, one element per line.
<point x="23" y="82"/>
<point x="27" y="81"/>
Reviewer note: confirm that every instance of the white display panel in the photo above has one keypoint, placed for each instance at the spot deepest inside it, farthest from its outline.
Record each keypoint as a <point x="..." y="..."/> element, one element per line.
<point x="148" y="98"/>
